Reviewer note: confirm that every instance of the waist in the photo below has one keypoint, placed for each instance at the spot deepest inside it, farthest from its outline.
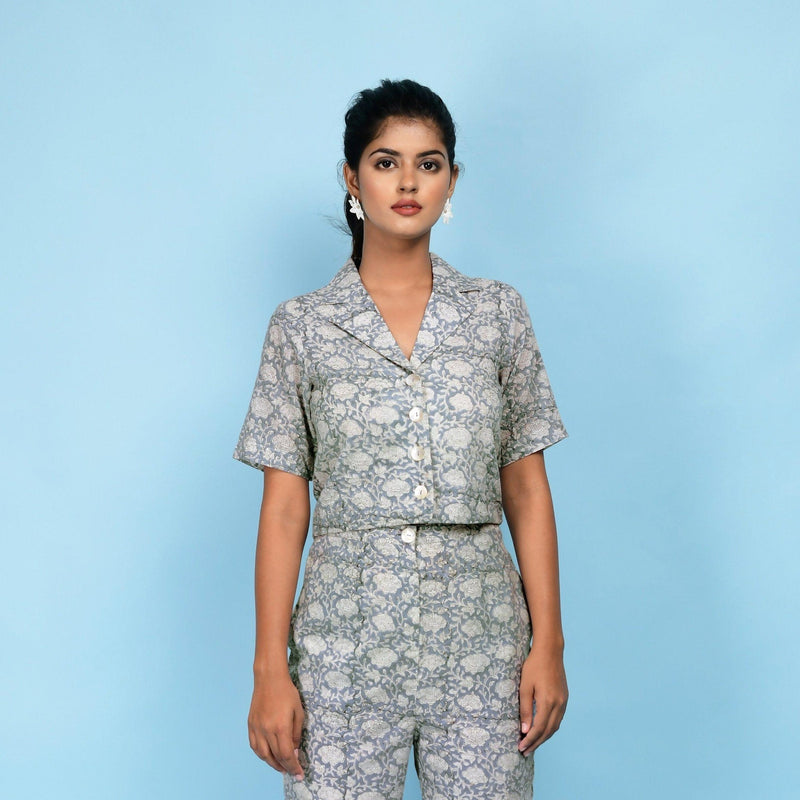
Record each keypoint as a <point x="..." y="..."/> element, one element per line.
<point x="452" y="528"/>
<point x="440" y="548"/>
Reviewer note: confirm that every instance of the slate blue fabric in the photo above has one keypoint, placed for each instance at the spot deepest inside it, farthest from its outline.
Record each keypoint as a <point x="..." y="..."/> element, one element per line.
<point x="410" y="642"/>
<point x="412" y="625"/>
<point x="389" y="440"/>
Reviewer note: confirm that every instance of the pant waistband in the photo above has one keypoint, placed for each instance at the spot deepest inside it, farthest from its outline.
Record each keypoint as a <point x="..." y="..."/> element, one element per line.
<point x="457" y="529"/>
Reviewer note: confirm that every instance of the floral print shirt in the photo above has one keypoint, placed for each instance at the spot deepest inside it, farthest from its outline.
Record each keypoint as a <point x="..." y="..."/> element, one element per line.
<point x="389" y="440"/>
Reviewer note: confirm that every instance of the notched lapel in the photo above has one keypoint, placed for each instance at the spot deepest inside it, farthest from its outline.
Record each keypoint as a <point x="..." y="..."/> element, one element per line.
<point x="348" y="305"/>
<point x="451" y="304"/>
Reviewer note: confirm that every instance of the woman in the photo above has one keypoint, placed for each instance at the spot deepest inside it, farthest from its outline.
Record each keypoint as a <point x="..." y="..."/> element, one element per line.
<point x="416" y="399"/>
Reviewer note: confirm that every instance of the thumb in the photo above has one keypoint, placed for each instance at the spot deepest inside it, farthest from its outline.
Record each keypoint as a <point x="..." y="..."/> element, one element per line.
<point x="297" y="725"/>
<point x="525" y="706"/>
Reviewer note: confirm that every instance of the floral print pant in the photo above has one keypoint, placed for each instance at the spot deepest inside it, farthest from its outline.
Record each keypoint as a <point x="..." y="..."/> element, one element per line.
<point x="404" y="638"/>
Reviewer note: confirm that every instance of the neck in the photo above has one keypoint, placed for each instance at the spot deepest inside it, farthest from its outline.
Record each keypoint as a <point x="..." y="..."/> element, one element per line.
<point x="396" y="264"/>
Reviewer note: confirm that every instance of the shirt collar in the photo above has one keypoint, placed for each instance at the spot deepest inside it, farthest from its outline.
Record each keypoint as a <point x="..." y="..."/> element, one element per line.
<point x="346" y="303"/>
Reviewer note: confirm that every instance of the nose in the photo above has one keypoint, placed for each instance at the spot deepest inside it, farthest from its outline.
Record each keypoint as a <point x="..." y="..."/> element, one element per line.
<point x="408" y="179"/>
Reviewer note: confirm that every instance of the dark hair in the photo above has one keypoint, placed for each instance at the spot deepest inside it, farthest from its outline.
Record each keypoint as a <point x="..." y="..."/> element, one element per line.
<point x="368" y="111"/>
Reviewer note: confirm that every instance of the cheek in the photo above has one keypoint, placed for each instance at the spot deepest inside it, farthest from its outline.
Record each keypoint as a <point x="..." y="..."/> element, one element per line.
<point x="372" y="188"/>
<point x="443" y="186"/>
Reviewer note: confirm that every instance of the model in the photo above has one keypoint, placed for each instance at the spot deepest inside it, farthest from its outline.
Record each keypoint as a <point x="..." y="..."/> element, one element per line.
<point x="416" y="400"/>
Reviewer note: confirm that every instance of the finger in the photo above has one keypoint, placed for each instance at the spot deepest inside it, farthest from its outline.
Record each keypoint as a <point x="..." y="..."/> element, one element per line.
<point x="280" y="741"/>
<point x="297" y="731"/>
<point x="553" y="722"/>
<point x="525" y="708"/>
<point x="540" y="736"/>
<point x="544" y="730"/>
<point x="270" y="759"/>
<point x="261" y="748"/>
<point x="540" y="720"/>
<point x="297" y="727"/>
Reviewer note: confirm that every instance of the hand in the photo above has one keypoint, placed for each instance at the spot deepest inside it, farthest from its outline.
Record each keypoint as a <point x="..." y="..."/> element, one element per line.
<point x="275" y="723"/>
<point x="543" y="680"/>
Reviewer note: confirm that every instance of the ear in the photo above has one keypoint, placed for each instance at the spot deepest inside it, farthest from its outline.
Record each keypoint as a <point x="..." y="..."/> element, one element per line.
<point x="350" y="179"/>
<point x="453" y="178"/>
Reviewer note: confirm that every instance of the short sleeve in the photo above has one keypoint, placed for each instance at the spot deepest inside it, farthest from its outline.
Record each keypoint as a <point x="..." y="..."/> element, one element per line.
<point x="275" y="432"/>
<point x="530" y="418"/>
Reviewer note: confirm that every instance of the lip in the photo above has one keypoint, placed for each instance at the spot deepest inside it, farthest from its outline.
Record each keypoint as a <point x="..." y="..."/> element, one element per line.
<point x="407" y="208"/>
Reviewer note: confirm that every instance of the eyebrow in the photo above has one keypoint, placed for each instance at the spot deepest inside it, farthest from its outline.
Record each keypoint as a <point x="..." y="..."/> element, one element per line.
<point x="395" y="153"/>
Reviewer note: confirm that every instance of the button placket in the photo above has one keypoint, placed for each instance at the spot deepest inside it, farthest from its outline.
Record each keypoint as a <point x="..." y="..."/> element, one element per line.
<point x="416" y="450"/>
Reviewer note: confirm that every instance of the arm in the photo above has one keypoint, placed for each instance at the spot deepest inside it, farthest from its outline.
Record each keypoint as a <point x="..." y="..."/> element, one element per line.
<point x="276" y="713"/>
<point x="528" y="507"/>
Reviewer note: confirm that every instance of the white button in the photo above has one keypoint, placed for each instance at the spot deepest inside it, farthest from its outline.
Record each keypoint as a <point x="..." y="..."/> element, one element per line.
<point x="415" y="413"/>
<point x="416" y="452"/>
<point x="420" y="492"/>
<point x="408" y="534"/>
<point x="413" y="379"/>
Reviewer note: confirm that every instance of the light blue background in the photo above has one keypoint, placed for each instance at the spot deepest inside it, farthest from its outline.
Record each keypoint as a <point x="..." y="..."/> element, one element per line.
<point x="167" y="170"/>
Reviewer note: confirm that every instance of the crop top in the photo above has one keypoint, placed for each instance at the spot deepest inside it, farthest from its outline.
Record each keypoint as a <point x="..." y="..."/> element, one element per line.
<point x="391" y="441"/>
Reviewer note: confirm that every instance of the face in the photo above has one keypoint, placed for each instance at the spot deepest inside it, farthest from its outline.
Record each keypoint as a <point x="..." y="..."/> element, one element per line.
<point x="403" y="179"/>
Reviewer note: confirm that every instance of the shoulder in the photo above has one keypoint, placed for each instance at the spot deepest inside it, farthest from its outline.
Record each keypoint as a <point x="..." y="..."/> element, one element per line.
<point x="501" y="297"/>
<point x="292" y="311"/>
<point x="489" y="289"/>
<point x="509" y="297"/>
<point x="285" y="324"/>
<point x="503" y="291"/>
<point x="298" y="318"/>
<point x="509" y="300"/>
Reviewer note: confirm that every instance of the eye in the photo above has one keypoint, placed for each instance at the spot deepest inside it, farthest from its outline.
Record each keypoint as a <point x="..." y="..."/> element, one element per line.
<point x="384" y="163"/>
<point x="430" y="166"/>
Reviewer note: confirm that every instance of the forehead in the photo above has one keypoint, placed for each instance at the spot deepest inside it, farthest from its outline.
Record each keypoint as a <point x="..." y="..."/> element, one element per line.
<point x="400" y="132"/>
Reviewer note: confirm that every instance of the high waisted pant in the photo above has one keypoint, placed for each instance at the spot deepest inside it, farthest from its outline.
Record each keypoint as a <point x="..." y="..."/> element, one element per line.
<point x="410" y="637"/>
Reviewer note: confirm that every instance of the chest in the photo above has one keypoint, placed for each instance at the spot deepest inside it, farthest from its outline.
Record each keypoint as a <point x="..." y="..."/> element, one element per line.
<point x="403" y="318"/>
<point x="356" y="390"/>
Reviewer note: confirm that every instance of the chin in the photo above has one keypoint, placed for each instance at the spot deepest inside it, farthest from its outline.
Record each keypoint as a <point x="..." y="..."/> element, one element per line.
<point x="417" y="233"/>
<point x="411" y="228"/>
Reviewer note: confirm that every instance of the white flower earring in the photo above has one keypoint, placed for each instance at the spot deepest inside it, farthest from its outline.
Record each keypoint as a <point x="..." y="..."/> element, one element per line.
<point x="447" y="214"/>
<point x="355" y="207"/>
